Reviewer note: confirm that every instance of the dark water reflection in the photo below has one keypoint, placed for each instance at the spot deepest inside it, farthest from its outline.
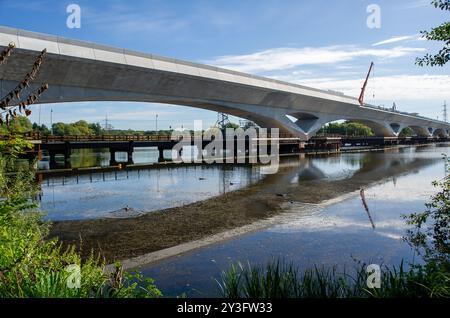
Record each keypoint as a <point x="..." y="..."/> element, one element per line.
<point x="101" y="158"/>
<point x="98" y="195"/>
<point x="307" y="234"/>
<point x="330" y="235"/>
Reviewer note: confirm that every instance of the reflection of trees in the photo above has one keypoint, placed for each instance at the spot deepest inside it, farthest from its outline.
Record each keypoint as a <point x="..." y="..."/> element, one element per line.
<point x="89" y="158"/>
<point x="85" y="158"/>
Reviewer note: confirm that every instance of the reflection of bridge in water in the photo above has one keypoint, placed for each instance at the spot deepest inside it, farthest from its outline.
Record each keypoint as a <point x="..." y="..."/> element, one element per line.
<point x="286" y="143"/>
<point x="292" y="170"/>
<point x="349" y="167"/>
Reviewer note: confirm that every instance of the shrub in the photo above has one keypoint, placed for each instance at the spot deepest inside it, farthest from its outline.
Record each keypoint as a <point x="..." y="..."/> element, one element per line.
<point x="31" y="266"/>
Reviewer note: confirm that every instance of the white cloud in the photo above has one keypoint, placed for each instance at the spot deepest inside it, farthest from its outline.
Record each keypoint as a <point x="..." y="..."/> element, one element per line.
<point x="393" y="88"/>
<point x="287" y="58"/>
<point x="417" y="4"/>
<point x="125" y="20"/>
<point x="396" y="39"/>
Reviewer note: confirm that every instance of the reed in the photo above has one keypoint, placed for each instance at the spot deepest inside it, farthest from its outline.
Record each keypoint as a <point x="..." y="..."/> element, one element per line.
<point x="279" y="279"/>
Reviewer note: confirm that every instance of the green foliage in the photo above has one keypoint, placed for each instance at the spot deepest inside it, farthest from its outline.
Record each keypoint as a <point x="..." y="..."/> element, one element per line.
<point x="81" y="127"/>
<point x="441" y="34"/>
<point x="232" y="125"/>
<point x="406" y="132"/>
<point x="279" y="279"/>
<point x="346" y="128"/>
<point x="17" y="125"/>
<point x="430" y="233"/>
<point x="43" y="129"/>
<point x="31" y="266"/>
<point x="11" y="147"/>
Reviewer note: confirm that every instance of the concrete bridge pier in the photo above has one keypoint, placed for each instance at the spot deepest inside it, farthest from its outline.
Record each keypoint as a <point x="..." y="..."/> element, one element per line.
<point x="66" y="152"/>
<point x="52" y="159"/>
<point x="161" y="154"/>
<point x="128" y="149"/>
<point x="113" y="161"/>
<point x="112" y="157"/>
<point x="130" y="156"/>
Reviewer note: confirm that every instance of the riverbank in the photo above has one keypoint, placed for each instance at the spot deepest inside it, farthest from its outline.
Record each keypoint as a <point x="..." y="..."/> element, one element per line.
<point x="217" y="218"/>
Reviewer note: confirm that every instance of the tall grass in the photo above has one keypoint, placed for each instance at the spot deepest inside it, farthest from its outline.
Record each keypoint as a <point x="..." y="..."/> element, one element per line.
<point x="279" y="279"/>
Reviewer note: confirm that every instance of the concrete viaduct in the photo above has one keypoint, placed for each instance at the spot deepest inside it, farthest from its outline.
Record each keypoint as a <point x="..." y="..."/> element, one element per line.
<point x="82" y="71"/>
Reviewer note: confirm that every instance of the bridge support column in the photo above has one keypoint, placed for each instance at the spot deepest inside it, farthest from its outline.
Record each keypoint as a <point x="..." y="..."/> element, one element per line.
<point x="161" y="154"/>
<point x="130" y="156"/>
<point x="52" y="155"/>
<point x="67" y="153"/>
<point x="112" y="159"/>
<point x="130" y="151"/>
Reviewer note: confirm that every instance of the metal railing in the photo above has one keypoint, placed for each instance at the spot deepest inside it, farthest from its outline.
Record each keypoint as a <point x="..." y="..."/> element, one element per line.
<point x="106" y="138"/>
<point x="109" y="138"/>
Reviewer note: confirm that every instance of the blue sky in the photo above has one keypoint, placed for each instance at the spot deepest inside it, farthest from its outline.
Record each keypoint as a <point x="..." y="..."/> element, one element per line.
<point x="323" y="44"/>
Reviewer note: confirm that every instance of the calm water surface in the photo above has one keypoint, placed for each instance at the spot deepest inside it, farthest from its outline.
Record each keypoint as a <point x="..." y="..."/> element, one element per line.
<point x="316" y="235"/>
<point x="334" y="235"/>
<point x="98" y="195"/>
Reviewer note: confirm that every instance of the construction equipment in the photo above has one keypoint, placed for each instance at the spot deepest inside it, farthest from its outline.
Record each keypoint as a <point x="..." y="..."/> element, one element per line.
<point x="363" y="89"/>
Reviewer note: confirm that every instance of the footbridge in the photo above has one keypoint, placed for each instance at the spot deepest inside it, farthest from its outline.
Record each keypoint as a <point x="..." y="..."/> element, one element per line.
<point x="82" y="71"/>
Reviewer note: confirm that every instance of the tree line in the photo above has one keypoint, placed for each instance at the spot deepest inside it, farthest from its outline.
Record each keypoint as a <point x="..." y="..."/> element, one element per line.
<point x="80" y="128"/>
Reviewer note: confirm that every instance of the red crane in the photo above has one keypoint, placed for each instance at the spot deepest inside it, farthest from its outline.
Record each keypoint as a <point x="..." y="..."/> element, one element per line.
<point x="363" y="89"/>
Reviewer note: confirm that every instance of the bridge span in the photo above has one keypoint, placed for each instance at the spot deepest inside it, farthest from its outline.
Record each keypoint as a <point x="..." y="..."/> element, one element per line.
<point x="82" y="71"/>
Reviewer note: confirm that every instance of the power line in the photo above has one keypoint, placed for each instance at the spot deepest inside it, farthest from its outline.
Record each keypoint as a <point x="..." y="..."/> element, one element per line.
<point x="444" y="111"/>
<point x="222" y="121"/>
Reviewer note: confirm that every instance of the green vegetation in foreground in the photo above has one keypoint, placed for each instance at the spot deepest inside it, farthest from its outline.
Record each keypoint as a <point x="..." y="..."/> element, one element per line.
<point x="279" y="279"/>
<point x="429" y="236"/>
<point x="31" y="266"/>
<point x="440" y="33"/>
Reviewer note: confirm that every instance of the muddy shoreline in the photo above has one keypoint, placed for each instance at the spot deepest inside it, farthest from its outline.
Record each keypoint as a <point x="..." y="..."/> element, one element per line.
<point x="125" y="238"/>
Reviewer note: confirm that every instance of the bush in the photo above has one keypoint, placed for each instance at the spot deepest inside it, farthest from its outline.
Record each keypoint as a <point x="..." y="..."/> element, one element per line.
<point x="31" y="266"/>
<point x="430" y="232"/>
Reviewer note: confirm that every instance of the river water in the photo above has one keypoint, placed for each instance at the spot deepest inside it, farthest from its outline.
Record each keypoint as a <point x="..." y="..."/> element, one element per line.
<point x="334" y="234"/>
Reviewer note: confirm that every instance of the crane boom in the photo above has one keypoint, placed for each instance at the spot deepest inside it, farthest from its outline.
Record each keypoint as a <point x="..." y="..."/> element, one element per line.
<point x="363" y="89"/>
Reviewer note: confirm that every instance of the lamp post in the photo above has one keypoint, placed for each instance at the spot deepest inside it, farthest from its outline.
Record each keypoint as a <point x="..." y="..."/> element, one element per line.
<point x="51" y="121"/>
<point x="156" y="123"/>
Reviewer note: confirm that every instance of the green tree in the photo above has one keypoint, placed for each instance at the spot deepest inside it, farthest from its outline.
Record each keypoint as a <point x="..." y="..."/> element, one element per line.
<point x="406" y="132"/>
<point x="82" y="127"/>
<point x="232" y="125"/>
<point x="430" y="235"/>
<point x="96" y="128"/>
<point x="17" y="125"/>
<point x="441" y="34"/>
<point x="42" y="129"/>
<point x="347" y="128"/>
